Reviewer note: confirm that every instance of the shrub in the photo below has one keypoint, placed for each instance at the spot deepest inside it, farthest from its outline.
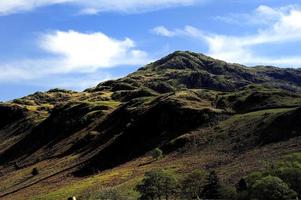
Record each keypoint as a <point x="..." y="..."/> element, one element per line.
<point x="252" y="178"/>
<point x="271" y="188"/>
<point x="227" y="192"/>
<point x="290" y="161"/>
<point x="157" y="153"/>
<point x="111" y="194"/>
<point x="157" y="184"/>
<point x="192" y="186"/>
<point x="35" y="171"/>
<point x="282" y="178"/>
<point x="242" y="185"/>
<point x="292" y="177"/>
<point x="212" y="187"/>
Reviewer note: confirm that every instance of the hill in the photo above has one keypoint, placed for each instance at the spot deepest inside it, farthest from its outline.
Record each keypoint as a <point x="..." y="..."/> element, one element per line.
<point x="202" y="112"/>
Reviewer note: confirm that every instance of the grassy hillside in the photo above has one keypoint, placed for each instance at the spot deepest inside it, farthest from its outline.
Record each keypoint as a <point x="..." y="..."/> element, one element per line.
<point x="203" y="113"/>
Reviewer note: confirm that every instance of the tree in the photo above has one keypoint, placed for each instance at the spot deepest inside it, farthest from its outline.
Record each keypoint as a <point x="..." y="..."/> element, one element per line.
<point x="157" y="184"/>
<point x="271" y="188"/>
<point x="35" y="171"/>
<point x="292" y="177"/>
<point x="156" y="153"/>
<point x="242" y="185"/>
<point x="192" y="186"/>
<point x="111" y="194"/>
<point x="253" y="177"/>
<point x="212" y="187"/>
<point x="169" y="186"/>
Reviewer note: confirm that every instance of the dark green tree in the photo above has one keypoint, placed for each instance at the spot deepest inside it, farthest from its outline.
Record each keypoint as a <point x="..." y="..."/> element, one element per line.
<point x="242" y="189"/>
<point x="291" y="176"/>
<point x="212" y="187"/>
<point x="170" y="186"/>
<point x="253" y="177"/>
<point x="271" y="188"/>
<point x="242" y="185"/>
<point x="35" y="171"/>
<point x="157" y="184"/>
<point x="193" y="184"/>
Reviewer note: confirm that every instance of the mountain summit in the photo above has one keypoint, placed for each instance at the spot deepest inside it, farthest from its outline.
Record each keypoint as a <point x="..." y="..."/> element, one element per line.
<point x="201" y="112"/>
<point x="184" y="69"/>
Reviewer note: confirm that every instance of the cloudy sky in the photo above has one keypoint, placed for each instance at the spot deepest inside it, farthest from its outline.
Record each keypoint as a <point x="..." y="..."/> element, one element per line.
<point x="75" y="44"/>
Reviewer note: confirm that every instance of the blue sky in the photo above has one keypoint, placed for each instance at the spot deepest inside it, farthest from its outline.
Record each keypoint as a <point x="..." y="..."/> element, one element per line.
<point x="75" y="44"/>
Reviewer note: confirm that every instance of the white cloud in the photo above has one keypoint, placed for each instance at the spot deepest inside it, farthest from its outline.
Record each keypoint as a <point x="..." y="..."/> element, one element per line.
<point x="187" y="31"/>
<point x="13" y="6"/>
<point x="94" y="6"/>
<point x="286" y="28"/>
<point x="80" y="51"/>
<point x="74" y="52"/>
<point x="262" y="15"/>
<point x="161" y="30"/>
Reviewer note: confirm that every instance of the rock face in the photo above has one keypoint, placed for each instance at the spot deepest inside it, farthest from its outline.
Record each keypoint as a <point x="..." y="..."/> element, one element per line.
<point x="159" y="105"/>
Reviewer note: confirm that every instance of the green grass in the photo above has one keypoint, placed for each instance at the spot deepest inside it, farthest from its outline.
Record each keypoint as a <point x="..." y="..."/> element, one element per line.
<point x="112" y="104"/>
<point x="241" y="118"/>
<point x="125" y="177"/>
<point x="258" y="97"/>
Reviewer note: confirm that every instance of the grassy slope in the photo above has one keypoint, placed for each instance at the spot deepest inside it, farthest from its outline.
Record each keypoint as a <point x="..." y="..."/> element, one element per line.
<point x="212" y="148"/>
<point x="114" y="114"/>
